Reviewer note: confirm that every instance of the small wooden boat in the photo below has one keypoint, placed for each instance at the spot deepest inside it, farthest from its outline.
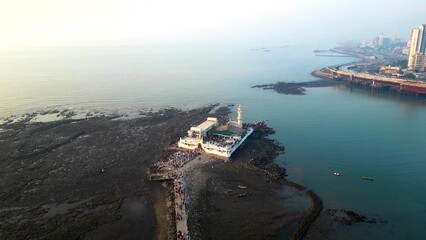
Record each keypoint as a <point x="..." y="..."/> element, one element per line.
<point x="242" y="195"/>
<point x="337" y="174"/>
<point x="367" y="178"/>
<point x="242" y="187"/>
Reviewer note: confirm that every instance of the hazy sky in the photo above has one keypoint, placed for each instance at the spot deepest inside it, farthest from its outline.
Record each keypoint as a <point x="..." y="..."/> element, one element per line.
<point x="68" y="22"/>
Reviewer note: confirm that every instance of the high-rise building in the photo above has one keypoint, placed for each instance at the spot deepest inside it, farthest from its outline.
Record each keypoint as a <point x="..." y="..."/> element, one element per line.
<point x="373" y="42"/>
<point x="381" y="39"/>
<point x="396" y="37"/>
<point x="417" y="56"/>
<point x="363" y="44"/>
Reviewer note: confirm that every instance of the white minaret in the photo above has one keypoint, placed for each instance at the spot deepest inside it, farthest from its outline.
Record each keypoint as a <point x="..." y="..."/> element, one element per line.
<point x="240" y="116"/>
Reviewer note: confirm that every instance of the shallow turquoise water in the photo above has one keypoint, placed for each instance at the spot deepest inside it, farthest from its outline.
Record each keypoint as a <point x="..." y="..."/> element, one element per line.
<point x="352" y="131"/>
<point x="358" y="136"/>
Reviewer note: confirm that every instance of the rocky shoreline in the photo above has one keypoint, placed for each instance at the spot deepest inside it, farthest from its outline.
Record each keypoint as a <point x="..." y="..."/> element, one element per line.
<point x="87" y="179"/>
<point x="228" y="212"/>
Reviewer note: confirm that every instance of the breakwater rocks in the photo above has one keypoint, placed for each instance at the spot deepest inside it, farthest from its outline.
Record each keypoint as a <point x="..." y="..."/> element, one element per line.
<point x="303" y="226"/>
<point x="332" y="224"/>
<point x="293" y="88"/>
<point x="347" y="217"/>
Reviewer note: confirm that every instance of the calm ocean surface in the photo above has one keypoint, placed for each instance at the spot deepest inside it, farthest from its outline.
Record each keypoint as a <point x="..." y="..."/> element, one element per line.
<point x="352" y="131"/>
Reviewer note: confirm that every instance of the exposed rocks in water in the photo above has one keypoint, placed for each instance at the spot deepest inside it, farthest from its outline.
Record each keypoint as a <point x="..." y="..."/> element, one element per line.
<point x="266" y="150"/>
<point x="330" y="220"/>
<point x="49" y="114"/>
<point x="261" y="129"/>
<point x="293" y="88"/>
<point x="347" y="217"/>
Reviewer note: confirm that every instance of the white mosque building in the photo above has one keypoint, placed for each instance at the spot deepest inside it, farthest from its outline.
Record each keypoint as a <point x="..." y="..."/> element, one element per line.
<point x="217" y="140"/>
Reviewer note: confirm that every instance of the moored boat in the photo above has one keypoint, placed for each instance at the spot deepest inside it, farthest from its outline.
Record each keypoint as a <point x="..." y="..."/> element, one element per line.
<point x="242" y="187"/>
<point x="367" y="178"/>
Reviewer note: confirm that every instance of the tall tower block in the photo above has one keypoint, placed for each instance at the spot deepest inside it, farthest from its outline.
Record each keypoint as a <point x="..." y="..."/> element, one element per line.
<point x="417" y="55"/>
<point x="240" y="116"/>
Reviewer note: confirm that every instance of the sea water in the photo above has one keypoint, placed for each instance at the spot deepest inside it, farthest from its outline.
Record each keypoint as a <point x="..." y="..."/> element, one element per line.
<point x="356" y="132"/>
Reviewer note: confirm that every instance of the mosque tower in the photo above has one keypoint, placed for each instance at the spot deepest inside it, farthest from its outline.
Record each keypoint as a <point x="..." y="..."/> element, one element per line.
<point x="240" y="116"/>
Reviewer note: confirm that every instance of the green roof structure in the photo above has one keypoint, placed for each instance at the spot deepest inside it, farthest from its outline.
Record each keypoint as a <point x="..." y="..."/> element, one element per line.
<point x="226" y="133"/>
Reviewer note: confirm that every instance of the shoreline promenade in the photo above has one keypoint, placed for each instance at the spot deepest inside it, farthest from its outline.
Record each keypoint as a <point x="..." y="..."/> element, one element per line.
<point x="398" y="84"/>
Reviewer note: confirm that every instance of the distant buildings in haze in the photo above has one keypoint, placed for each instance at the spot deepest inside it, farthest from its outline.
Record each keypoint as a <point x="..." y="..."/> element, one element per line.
<point x="382" y="41"/>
